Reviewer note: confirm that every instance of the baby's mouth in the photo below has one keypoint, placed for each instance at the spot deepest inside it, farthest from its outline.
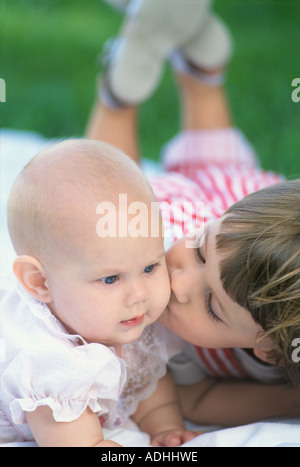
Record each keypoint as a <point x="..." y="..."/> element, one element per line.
<point x="133" y="321"/>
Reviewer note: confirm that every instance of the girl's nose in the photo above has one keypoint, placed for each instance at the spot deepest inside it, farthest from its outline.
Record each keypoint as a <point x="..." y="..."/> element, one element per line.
<point x="180" y="286"/>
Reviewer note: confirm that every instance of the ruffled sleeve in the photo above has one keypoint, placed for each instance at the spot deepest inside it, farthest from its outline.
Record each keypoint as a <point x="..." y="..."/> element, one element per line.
<point x="66" y="379"/>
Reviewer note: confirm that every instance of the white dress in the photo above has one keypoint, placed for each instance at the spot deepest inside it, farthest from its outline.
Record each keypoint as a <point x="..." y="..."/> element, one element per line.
<point x="42" y="364"/>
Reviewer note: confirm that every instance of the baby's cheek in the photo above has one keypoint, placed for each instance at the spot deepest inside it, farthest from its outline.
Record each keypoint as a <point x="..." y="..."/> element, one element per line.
<point x="165" y="293"/>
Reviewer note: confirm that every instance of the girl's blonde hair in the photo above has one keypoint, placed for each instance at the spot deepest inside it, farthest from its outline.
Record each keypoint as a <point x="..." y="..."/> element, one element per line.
<point x="259" y="246"/>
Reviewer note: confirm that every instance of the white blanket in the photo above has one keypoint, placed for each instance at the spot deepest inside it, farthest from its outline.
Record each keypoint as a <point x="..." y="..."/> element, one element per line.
<point x="16" y="149"/>
<point x="281" y="433"/>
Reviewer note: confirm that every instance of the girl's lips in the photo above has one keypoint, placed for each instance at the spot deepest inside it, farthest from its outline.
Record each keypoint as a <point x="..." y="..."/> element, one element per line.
<point x="133" y="322"/>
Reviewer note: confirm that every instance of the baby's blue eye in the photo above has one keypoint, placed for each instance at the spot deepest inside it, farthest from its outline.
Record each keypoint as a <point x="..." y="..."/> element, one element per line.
<point x="109" y="280"/>
<point x="149" y="269"/>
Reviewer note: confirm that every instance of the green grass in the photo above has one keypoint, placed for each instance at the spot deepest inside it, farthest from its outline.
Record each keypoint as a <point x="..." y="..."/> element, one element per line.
<point x="48" y="60"/>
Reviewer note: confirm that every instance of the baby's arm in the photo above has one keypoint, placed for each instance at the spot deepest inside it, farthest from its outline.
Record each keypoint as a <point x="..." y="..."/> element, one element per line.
<point x="84" y="432"/>
<point x="160" y="416"/>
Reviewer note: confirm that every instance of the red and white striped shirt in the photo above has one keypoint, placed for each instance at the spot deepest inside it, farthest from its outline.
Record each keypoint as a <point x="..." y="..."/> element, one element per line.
<point x="215" y="168"/>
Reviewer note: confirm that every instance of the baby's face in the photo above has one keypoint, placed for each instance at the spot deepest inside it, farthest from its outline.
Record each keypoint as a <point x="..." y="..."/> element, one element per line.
<point x="110" y="289"/>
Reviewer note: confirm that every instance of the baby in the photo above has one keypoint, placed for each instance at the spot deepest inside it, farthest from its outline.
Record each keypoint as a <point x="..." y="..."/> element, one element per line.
<point x="79" y="348"/>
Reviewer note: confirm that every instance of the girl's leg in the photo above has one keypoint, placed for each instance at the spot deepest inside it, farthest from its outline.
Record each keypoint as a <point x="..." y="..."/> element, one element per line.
<point x="116" y="126"/>
<point x="203" y="106"/>
<point x="155" y="32"/>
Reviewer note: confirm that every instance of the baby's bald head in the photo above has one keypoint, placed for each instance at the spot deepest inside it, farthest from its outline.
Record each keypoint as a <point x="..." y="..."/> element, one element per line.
<point x="60" y="184"/>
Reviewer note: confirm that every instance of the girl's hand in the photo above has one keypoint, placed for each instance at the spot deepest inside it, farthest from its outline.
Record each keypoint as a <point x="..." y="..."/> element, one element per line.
<point x="174" y="437"/>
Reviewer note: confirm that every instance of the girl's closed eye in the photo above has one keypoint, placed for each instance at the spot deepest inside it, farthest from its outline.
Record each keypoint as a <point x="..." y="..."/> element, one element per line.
<point x="197" y="250"/>
<point x="208" y="305"/>
<point x="209" y="309"/>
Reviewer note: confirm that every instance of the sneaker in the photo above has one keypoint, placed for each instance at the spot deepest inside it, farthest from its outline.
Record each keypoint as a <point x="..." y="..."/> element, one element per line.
<point x="153" y="30"/>
<point x="209" y="50"/>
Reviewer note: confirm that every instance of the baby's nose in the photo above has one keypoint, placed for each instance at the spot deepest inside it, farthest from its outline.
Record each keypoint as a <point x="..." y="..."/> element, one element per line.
<point x="138" y="293"/>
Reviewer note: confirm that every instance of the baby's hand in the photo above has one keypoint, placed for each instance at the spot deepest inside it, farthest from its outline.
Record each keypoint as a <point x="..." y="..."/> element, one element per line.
<point x="174" y="437"/>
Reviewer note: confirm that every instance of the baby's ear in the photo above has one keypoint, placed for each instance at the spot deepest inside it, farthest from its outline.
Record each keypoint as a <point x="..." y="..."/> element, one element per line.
<point x="32" y="276"/>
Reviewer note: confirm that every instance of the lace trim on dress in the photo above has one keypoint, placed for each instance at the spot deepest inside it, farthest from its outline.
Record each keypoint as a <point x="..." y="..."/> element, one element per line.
<point x="146" y="364"/>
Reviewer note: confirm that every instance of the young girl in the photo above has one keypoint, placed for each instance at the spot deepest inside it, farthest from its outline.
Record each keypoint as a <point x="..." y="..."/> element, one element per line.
<point x="235" y="296"/>
<point x="82" y="354"/>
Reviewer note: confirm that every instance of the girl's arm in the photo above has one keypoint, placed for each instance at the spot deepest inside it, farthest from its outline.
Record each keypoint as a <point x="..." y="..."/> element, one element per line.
<point x="160" y="416"/>
<point x="233" y="403"/>
<point x="84" y="432"/>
